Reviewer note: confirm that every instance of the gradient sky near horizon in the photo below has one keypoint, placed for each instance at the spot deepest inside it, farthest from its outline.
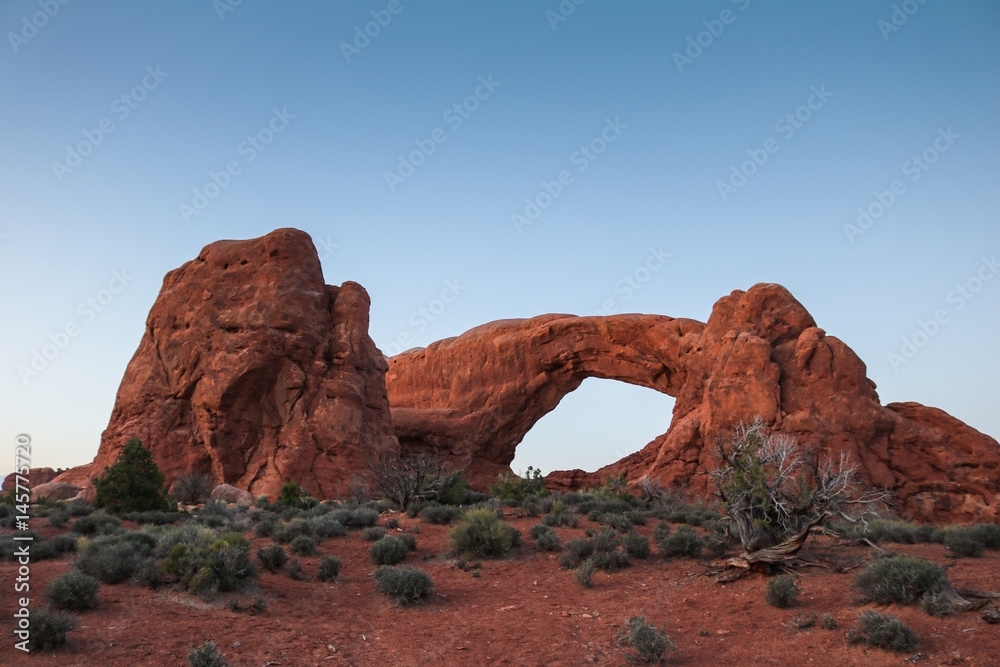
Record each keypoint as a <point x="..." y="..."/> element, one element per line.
<point x="116" y="115"/>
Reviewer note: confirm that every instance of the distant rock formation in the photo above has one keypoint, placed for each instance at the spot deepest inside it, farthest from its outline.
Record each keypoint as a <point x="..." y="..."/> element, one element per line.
<point x="256" y="372"/>
<point x="35" y="476"/>
<point x="471" y="399"/>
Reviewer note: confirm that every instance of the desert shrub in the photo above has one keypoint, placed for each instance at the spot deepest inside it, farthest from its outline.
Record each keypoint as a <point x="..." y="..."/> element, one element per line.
<point x="323" y="527"/>
<point x="206" y="655"/>
<point x="155" y="517"/>
<point x="408" y="585"/>
<point x="717" y="543"/>
<point x="78" y="509"/>
<point x="987" y="534"/>
<point x="560" y="516"/>
<point x="52" y="548"/>
<point x="803" y="621"/>
<point x="404" y="481"/>
<point x="480" y="533"/>
<point x="73" y="590"/>
<point x="358" y="517"/>
<point x="303" y="546"/>
<point x="392" y="523"/>
<point x="883" y="631"/>
<point x="827" y="622"/>
<point x="636" y="545"/>
<point x="962" y="543"/>
<point x="936" y="603"/>
<point x="576" y="550"/>
<point x="660" y="531"/>
<point x="439" y="514"/>
<point x="294" y="570"/>
<point x="373" y="533"/>
<point x="605" y="541"/>
<point x="545" y="538"/>
<point x="149" y="574"/>
<point x="409" y="540"/>
<point x="329" y="568"/>
<point x="272" y="558"/>
<point x="609" y="561"/>
<point x="208" y="568"/>
<point x="111" y="560"/>
<point x="619" y="522"/>
<point x="585" y="572"/>
<point x="291" y="496"/>
<point x="899" y="532"/>
<point x="96" y="523"/>
<point x="637" y="517"/>
<point x="267" y="527"/>
<point x="898" y="578"/>
<point x="781" y="591"/>
<point x="133" y="483"/>
<point x="193" y="487"/>
<point x="681" y="542"/>
<point x="514" y="487"/>
<point x="49" y="629"/>
<point x="388" y="551"/>
<point x="648" y="643"/>
<point x="287" y="532"/>
<point x="58" y="518"/>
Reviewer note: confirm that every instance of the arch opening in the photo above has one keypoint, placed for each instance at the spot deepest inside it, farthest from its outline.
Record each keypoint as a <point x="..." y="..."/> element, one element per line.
<point x="599" y="423"/>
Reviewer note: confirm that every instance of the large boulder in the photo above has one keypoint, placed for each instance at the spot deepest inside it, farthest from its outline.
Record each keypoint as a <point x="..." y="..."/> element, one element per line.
<point x="471" y="399"/>
<point x="230" y="494"/>
<point x="55" y="491"/>
<point x="256" y="372"/>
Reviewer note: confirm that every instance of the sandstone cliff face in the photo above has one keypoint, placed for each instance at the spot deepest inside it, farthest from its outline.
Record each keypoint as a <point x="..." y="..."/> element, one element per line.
<point x="253" y="370"/>
<point x="473" y="398"/>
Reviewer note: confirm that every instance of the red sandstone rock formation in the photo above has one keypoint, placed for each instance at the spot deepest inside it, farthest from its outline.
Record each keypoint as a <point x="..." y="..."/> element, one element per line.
<point x="35" y="476"/>
<point x="253" y="370"/>
<point x="471" y="399"/>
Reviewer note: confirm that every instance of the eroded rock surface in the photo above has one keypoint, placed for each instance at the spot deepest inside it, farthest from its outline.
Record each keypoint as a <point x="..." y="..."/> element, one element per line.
<point x="254" y="371"/>
<point x="471" y="399"/>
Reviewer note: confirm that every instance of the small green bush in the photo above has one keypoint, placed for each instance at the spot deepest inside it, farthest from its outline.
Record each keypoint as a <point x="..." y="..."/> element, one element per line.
<point x="388" y="551"/>
<point x="49" y="629"/>
<point x="303" y="546"/>
<point x="207" y="565"/>
<point x="408" y="585"/>
<point x="480" y="533"/>
<point x="987" y="534"/>
<point x="585" y="573"/>
<point x="409" y="540"/>
<point x="661" y="531"/>
<point x="936" y="603"/>
<point x="898" y="578"/>
<point x="206" y="655"/>
<point x="373" y="533"/>
<point x="97" y="523"/>
<point x="439" y="514"/>
<point x="323" y="527"/>
<point x="58" y="518"/>
<point x="885" y="632"/>
<point x="112" y="561"/>
<point x="545" y="540"/>
<point x="272" y="558"/>
<point x="636" y="545"/>
<point x="962" y="543"/>
<point x="648" y="643"/>
<point x="681" y="542"/>
<point x="329" y="568"/>
<point x="74" y="590"/>
<point x="610" y="561"/>
<point x="294" y="570"/>
<point x="782" y="591"/>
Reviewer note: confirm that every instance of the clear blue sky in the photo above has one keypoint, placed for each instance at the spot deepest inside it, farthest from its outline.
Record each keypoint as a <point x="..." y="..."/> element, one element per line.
<point x="836" y="97"/>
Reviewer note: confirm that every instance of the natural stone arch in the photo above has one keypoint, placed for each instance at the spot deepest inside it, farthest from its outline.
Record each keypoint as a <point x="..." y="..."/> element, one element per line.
<point x="471" y="399"/>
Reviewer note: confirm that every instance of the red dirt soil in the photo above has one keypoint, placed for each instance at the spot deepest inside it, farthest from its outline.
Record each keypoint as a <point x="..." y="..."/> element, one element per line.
<point x="524" y="610"/>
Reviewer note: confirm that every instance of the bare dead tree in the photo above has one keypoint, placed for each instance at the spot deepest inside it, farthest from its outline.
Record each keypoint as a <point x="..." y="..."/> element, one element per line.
<point x="404" y="480"/>
<point x="773" y="491"/>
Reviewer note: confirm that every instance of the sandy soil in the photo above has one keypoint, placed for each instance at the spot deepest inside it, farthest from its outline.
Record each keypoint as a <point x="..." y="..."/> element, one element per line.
<point x="524" y="610"/>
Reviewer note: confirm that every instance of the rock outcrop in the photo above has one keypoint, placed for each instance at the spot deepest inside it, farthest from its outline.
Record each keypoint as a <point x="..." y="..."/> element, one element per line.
<point x="471" y="399"/>
<point x="256" y="372"/>
<point x="55" y="491"/>
<point x="35" y="476"/>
